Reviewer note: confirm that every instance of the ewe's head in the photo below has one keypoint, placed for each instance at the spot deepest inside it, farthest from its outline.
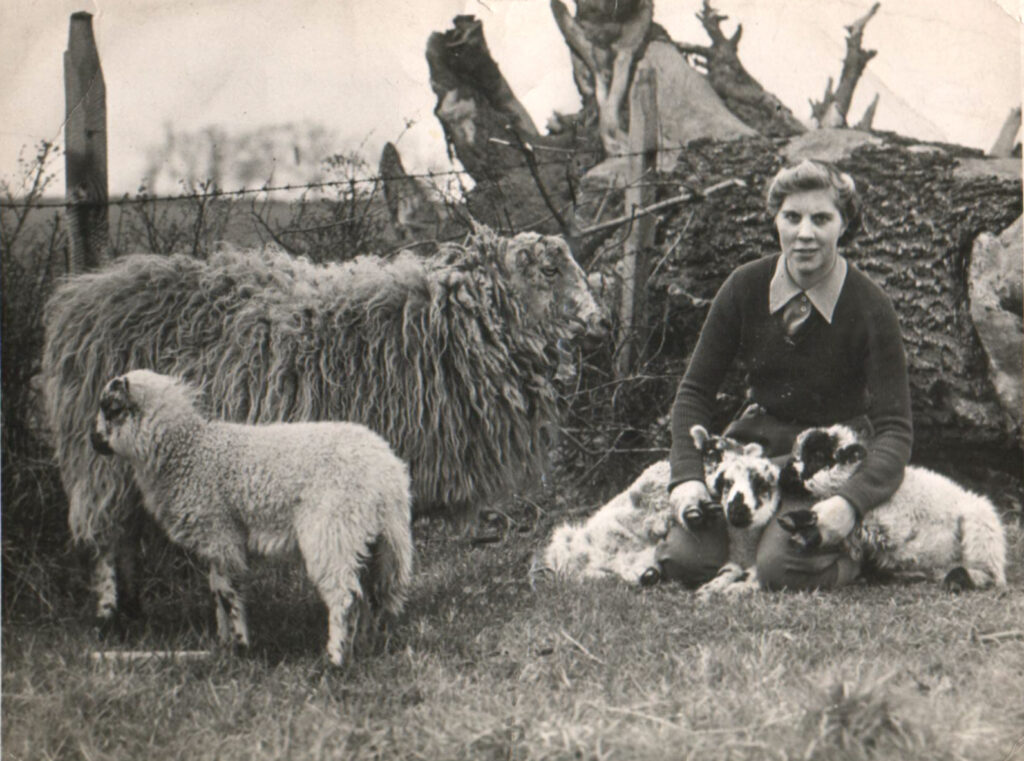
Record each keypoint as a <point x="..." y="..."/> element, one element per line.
<point x="825" y="458"/>
<point x="135" y="406"/>
<point x="747" y="486"/>
<point x="551" y="285"/>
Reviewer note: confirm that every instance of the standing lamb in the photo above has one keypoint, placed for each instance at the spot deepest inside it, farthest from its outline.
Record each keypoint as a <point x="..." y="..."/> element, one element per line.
<point x="931" y="525"/>
<point x="450" y="358"/>
<point x="334" y="490"/>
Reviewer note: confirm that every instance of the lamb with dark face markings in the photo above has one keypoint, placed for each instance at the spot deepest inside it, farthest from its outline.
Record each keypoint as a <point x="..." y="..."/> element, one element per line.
<point x="746" y="485"/>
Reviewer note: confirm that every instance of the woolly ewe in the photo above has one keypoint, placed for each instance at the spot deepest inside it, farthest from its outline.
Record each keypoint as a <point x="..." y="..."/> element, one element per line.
<point x="334" y="490"/>
<point x="450" y="358"/>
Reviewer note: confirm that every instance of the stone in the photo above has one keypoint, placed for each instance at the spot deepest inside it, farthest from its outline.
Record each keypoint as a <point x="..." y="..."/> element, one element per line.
<point x="995" y="289"/>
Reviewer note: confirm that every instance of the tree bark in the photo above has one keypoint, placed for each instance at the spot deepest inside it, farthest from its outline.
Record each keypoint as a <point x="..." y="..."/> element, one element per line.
<point x="832" y="109"/>
<point x="869" y="116"/>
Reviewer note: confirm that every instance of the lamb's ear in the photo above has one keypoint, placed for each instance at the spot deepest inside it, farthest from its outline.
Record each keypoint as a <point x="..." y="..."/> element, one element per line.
<point x="753" y="448"/>
<point x="850" y="454"/>
<point x="700" y="436"/>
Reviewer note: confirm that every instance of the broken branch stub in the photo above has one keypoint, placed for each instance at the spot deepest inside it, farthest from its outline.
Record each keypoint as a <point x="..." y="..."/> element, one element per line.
<point x="474" y="101"/>
<point x="833" y="108"/>
<point x="605" y="42"/>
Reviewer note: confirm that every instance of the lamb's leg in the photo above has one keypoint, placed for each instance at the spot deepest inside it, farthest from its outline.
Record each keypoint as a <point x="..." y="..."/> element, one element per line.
<point x="232" y="626"/>
<point x="729" y="574"/>
<point x="983" y="551"/>
<point x="335" y="573"/>
<point x="104" y="586"/>
<point x="338" y="599"/>
<point x="115" y="574"/>
<point x="126" y="556"/>
<point x="746" y="584"/>
<point x="393" y="565"/>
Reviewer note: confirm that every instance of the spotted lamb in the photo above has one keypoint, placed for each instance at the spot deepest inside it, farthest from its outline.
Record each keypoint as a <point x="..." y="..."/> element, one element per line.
<point x="746" y="484"/>
<point x="930" y="526"/>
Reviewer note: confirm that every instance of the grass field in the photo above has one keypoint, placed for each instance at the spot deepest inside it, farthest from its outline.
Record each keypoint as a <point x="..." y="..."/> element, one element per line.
<point x="482" y="666"/>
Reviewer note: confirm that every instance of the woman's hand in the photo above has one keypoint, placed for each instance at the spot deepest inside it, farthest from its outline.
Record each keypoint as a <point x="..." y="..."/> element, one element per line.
<point x="827" y="523"/>
<point x="689" y="500"/>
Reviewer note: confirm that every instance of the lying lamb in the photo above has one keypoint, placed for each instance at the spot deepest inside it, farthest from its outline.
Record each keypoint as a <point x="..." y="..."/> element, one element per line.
<point x="334" y="490"/>
<point x="620" y="538"/>
<point x="614" y="541"/>
<point x="930" y="525"/>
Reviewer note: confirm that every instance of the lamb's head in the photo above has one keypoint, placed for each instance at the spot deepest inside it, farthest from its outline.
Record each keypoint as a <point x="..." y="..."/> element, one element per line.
<point x="713" y="449"/>
<point x="747" y="486"/>
<point x="825" y="458"/>
<point x="552" y="286"/>
<point x="129" y="405"/>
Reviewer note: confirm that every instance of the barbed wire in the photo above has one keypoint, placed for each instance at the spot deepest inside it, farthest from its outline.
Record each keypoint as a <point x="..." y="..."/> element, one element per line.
<point x="145" y="198"/>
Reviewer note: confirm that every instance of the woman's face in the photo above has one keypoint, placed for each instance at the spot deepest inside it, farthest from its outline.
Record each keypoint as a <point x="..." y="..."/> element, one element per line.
<point x="809" y="226"/>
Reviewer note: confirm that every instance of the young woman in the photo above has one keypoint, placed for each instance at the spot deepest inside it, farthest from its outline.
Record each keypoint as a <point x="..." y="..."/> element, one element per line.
<point x="820" y="344"/>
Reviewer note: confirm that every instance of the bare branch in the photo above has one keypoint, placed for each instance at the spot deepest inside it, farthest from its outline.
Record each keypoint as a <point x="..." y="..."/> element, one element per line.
<point x="869" y="116"/>
<point x="833" y="109"/>
<point x="1003" y="146"/>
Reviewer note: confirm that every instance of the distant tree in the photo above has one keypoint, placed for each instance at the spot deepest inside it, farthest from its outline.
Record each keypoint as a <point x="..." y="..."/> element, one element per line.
<point x="284" y="154"/>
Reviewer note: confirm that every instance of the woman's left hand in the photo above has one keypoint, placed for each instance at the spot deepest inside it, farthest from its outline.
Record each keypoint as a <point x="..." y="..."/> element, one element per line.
<point x="827" y="523"/>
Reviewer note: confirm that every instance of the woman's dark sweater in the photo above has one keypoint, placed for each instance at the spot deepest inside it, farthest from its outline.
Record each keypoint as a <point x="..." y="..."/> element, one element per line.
<point x="830" y="373"/>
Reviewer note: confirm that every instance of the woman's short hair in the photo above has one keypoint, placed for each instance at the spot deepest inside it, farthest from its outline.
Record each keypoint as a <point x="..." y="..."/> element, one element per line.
<point x="811" y="174"/>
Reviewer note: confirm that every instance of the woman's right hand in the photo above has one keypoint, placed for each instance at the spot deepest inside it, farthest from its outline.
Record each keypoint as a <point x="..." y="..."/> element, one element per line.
<point x="688" y="501"/>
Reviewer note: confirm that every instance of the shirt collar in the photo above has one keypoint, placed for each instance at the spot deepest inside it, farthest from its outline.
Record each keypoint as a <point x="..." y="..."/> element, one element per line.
<point x="823" y="295"/>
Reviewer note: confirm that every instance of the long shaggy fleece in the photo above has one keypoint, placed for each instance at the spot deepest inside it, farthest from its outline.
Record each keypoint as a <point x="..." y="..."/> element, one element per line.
<point x="446" y="358"/>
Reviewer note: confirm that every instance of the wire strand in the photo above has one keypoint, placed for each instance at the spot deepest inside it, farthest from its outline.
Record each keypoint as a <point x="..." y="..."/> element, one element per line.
<point x="127" y="200"/>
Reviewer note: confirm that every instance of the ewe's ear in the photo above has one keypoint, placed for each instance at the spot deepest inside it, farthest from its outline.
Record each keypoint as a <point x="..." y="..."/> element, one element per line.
<point x="851" y="454"/>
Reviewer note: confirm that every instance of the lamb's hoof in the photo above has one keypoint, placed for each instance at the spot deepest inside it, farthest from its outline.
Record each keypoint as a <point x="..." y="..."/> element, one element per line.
<point x="958" y="580"/>
<point x="694" y="517"/>
<point x="802" y="526"/>
<point x="650" y="577"/>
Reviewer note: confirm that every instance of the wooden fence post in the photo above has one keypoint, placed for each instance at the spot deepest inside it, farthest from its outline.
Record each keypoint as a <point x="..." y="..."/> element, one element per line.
<point x="643" y="160"/>
<point x="85" y="147"/>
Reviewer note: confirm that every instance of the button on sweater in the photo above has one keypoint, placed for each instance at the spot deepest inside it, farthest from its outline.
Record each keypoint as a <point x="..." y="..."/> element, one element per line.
<point x="829" y="373"/>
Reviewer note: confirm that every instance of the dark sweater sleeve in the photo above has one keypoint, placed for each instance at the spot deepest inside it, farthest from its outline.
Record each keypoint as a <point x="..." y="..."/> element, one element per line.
<point x="711" y="359"/>
<point x="888" y="389"/>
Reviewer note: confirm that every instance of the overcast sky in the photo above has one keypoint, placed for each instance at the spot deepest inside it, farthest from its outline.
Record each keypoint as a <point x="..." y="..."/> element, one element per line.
<point x="946" y="69"/>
